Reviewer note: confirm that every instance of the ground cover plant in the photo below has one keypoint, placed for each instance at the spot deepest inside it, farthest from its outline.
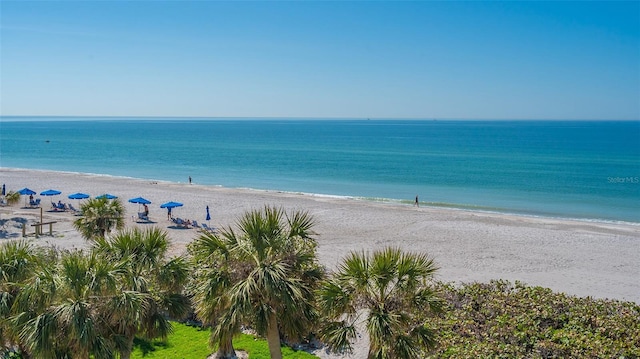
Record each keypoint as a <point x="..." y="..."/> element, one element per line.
<point x="504" y="320"/>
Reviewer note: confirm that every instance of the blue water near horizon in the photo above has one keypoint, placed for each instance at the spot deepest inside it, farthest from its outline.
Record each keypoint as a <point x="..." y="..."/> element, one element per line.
<point x="569" y="169"/>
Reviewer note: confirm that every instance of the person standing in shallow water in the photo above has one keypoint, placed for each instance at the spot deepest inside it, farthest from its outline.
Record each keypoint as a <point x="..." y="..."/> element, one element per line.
<point x="417" y="203"/>
<point x="189" y="179"/>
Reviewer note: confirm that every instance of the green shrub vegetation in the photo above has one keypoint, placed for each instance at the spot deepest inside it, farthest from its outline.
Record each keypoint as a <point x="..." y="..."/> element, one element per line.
<point x="12" y="197"/>
<point x="100" y="302"/>
<point x="187" y="342"/>
<point x="504" y="320"/>
<point x="480" y="320"/>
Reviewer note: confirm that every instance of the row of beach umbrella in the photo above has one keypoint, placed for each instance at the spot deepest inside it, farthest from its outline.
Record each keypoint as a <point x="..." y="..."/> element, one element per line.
<point x="79" y="195"/>
<point x="139" y="200"/>
<point x="52" y="192"/>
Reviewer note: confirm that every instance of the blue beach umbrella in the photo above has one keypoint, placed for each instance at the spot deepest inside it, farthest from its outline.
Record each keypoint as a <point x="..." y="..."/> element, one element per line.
<point x="140" y="200"/>
<point x="26" y="191"/>
<point x="50" y="192"/>
<point x="171" y="205"/>
<point x="78" y="196"/>
<point x="107" y="196"/>
<point x="208" y="215"/>
<point x="4" y="189"/>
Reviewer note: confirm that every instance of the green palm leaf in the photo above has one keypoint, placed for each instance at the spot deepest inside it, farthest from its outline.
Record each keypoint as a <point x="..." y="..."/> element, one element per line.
<point x="263" y="273"/>
<point x="393" y="288"/>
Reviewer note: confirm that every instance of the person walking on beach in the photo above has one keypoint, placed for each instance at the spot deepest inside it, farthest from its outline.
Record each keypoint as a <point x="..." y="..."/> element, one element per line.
<point x="417" y="203"/>
<point x="146" y="210"/>
<point x="169" y="213"/>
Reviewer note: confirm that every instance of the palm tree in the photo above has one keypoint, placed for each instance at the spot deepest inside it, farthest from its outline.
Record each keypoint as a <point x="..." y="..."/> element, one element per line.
<point x="100" y="216"/>
<point x="61" y="311"/>
<point x="392" y="287"/>
<point x="19" y="261"/>
<point x="269" y="279"/>
<point x="151" y="288"/>
<point x="12" y="197"/>
<point x="213" y="275"/>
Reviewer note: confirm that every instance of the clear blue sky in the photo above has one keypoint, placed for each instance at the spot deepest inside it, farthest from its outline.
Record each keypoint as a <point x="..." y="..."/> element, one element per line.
<point x="382" y="59"/>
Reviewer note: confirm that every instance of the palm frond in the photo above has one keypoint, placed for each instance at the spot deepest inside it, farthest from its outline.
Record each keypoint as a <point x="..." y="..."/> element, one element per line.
<point x="355" y="269"/>
<point x="338" y="336"/>
<point x="38" y="335"/>
<point x="393" y="287"/>
<point x="173" y="274"/>
<point x="301" y="224"/>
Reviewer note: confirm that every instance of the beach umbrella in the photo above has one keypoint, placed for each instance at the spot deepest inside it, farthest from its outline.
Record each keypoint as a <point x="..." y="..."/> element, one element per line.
<point x="169" y="206"/>
<point x="26" y="191"/>
<point x="140" y="200"/>
<point x="50" y="192"/>
<point x="208" y="215"/>
<point x="4" y="189"/>
<point x="78" y="196"/>
<point x="107" y="196"/>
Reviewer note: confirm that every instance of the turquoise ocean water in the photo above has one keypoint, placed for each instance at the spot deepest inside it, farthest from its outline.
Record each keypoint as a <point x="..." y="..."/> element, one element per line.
<point x="569" y="169"/>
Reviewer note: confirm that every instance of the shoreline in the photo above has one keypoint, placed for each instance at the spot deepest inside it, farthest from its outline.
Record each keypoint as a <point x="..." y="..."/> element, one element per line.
<point x="578" y="257"/>
<point x="381" y="200"/>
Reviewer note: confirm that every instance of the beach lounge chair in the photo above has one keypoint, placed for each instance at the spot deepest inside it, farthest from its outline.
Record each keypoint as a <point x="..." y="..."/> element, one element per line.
<point x="142" y="217"/>
<point x="74" y="210"/>
<point x="59" y="206"/>
<point x="35" y="203"/>
<point x="180" y="223"/>
<point x="207" y="228"/>
<point x="195" y="224"/>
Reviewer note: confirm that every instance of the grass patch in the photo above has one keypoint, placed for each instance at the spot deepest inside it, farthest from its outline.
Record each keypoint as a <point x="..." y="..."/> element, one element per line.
<point x="188" y="342"/>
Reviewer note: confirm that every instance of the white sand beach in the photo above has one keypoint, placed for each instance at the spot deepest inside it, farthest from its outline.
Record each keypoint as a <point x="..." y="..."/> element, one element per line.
<point x="581" y="258"/>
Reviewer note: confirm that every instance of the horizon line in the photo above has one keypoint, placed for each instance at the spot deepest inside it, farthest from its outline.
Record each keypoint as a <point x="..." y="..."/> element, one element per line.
<point x="332" y="118"/>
